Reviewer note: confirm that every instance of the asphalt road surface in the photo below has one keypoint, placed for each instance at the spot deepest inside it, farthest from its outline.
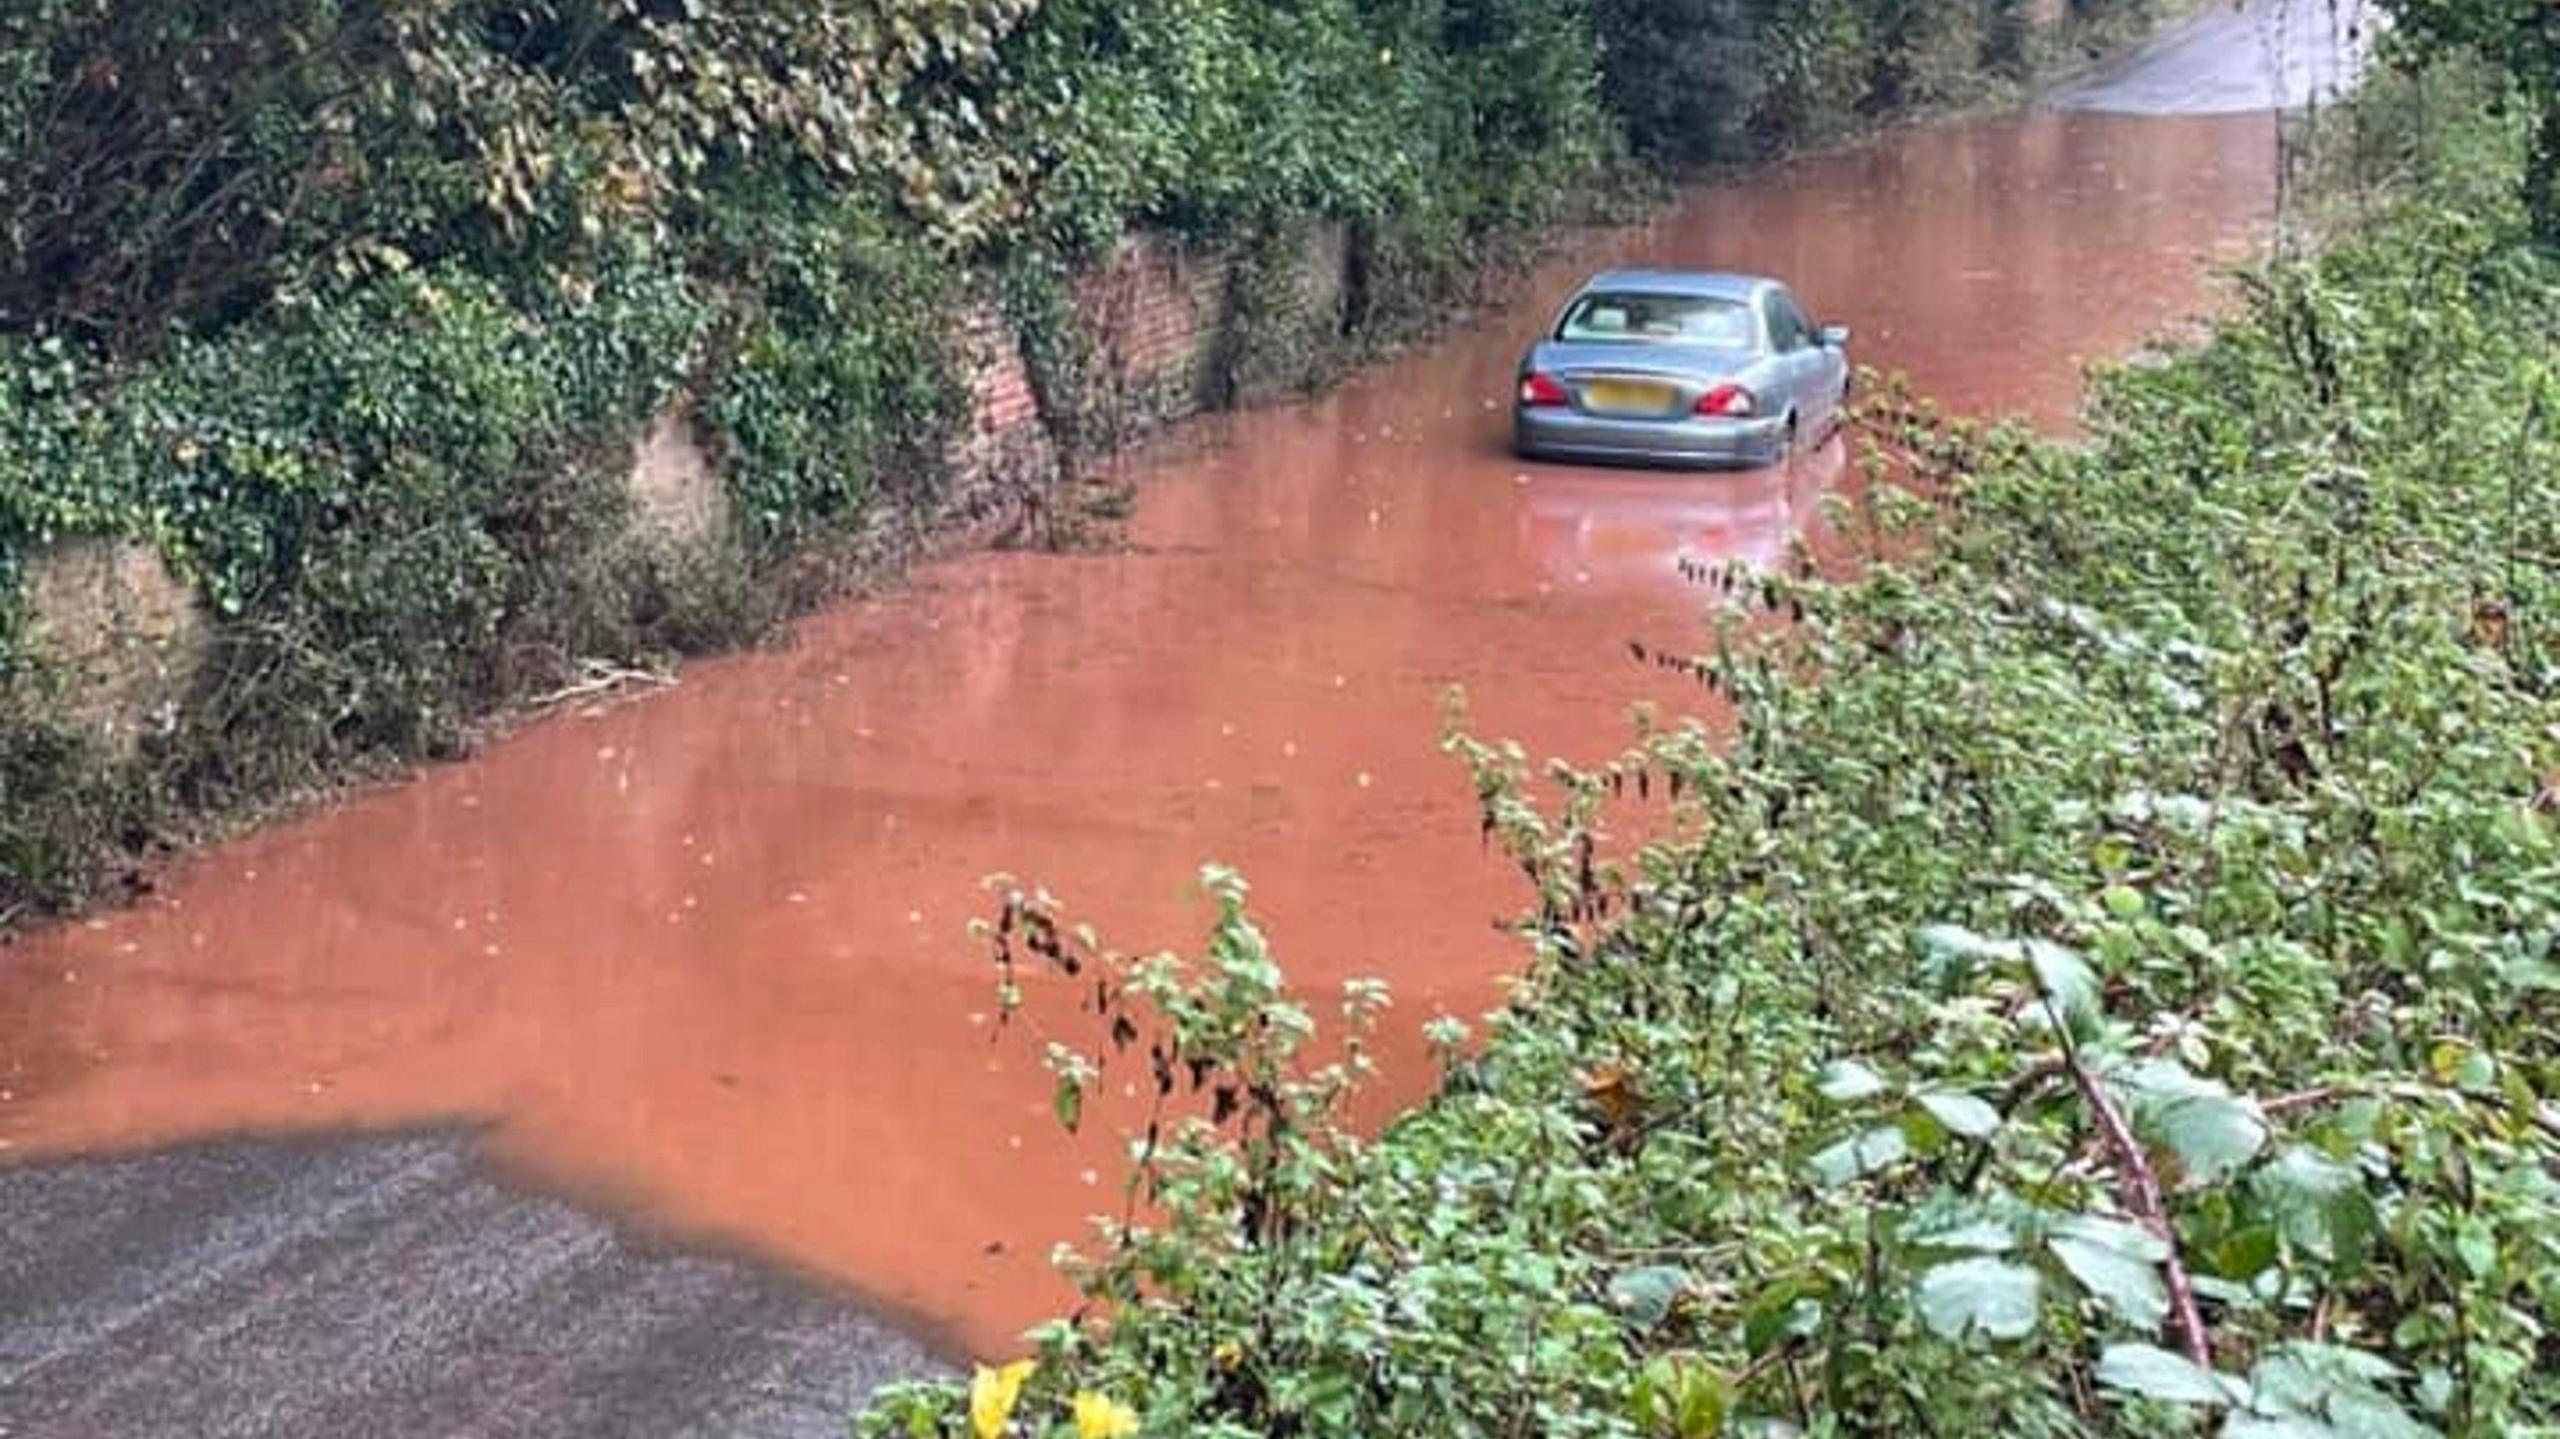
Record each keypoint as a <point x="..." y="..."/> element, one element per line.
<point x="2233" y="58"/>
<point x="388" y="1287"/>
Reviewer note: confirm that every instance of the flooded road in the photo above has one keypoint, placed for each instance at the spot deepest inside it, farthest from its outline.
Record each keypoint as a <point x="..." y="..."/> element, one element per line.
<point x="700" y="961"/>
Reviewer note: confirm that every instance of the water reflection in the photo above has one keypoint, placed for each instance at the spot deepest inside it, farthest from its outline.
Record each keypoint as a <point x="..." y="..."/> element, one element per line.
<point x="1625" y="532"/>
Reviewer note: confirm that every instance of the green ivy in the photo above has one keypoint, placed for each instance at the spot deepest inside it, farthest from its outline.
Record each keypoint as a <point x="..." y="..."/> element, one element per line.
<point x="841" y="384"/>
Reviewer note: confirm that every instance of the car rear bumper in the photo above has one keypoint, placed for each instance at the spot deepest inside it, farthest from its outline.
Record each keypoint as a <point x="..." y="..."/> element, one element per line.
<point x="1572" y="435"/>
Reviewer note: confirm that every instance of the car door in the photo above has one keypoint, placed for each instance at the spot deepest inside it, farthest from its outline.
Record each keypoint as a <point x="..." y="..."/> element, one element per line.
<point x="1826" y="370"/>
<point x="1798" y="361"/>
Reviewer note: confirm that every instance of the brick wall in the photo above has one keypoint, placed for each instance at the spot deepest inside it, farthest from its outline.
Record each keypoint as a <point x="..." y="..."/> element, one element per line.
<point x="1153" y="313"/>
<point x="1006" y="449"/>
<point x="1159" y="320"/>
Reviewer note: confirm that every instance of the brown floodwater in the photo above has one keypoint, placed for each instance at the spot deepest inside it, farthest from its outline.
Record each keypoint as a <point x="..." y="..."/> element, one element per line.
<point x="702" y="959"/>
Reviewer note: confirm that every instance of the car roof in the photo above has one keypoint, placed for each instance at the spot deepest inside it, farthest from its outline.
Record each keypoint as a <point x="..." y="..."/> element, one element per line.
<point x="1679" y="282"/>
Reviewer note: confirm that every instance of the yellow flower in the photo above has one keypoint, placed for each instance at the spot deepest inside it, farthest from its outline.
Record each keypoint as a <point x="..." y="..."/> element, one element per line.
<point x="1229" y="1354"/>
<point x="1101" y="1418"/>
<point x="994" y="1392"/>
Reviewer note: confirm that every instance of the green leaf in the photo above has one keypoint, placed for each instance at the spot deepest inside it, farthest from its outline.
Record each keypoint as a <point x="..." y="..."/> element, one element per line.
<point x="2320" y="1204"/>
<point x="1991" y="1297"/>
<point x="2069" y="985"/>
<point x="2282" y="1426"/>
<point x="1786" y="1312"/>
<point x="1952" y="941"/>
<point x="1846" y="1081"/>
<point x="1860" y="1155"/>
<point x="2130" y="1286"/>
<point x="2369" y="1414"/>
<point x="2122" y="1236"/>
<point x="1961" y="1113"/>
<point x="2246" y="1253"/>
<point x="1645" y="1295"/>
<point x="1068" y="1102"/>
<point x="2155" y="1373"/>
<point x="2476" y="1245"/>
<point x="2210" y="1130"/>
<point x="1978" y="1236"/>
<point x="2308" y="1379"/>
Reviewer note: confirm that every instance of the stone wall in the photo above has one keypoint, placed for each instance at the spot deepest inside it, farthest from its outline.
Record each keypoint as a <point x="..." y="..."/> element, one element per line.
<point x="677" y="499"/>
<point x="119" y="638"/>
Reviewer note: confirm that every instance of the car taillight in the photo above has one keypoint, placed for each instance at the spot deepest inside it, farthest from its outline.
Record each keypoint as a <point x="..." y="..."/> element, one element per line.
<point x="1727" y="402"/>
<point x="1539" y="391"/>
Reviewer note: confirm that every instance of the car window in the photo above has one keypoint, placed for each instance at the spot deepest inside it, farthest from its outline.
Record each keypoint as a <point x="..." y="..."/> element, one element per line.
<point x="1604" y="317"/>
<point x="1788" y="329"/>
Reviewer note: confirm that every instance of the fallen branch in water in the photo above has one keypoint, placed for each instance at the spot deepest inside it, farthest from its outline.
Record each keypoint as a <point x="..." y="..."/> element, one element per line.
<point x="600" y="677"/>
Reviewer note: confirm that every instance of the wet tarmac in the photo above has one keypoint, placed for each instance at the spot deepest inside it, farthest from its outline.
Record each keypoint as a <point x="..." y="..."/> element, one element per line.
<point x="384" y="1286"/>
<point x="699" y="963"/>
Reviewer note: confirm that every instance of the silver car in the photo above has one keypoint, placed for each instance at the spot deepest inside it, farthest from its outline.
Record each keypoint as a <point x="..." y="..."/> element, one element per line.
<point x="1673" y="367"/>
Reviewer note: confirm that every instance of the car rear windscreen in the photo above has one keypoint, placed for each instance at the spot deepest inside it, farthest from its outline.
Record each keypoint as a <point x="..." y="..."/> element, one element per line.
<point x="1602" y="317"/>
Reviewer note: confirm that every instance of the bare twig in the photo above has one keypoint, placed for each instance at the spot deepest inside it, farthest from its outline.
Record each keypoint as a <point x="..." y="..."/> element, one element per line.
<point x="2307" y="1099"/>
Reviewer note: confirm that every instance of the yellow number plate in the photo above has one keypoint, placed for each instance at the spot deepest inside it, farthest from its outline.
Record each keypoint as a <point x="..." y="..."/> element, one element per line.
<point x="1634" y="397"/>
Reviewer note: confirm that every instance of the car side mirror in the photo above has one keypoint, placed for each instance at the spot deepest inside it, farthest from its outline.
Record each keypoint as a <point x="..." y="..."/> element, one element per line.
<point x="1835" y="337"/>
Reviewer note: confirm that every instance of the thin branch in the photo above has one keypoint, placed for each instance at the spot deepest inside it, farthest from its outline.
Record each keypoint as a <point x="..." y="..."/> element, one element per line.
<point x="2307" y="1099"/>
<point x="2141" y="1194"/>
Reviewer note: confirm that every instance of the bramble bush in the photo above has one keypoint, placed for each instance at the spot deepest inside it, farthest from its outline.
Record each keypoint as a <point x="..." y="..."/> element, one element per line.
<point x="2102" y="979"/>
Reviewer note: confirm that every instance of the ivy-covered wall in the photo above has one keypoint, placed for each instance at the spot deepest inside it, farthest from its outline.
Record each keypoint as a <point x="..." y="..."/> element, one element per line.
<point x="349" y="311"/>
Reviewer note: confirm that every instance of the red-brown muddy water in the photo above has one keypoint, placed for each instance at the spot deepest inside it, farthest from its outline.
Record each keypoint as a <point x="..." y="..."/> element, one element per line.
<point x="702" y="959"/>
